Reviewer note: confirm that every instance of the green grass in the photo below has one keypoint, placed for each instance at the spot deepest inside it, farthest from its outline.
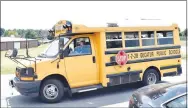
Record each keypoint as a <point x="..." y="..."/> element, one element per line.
<point x="8" y="66"/>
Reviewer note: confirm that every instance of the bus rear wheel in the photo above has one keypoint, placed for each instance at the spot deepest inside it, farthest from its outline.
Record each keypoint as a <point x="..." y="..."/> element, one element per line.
<point x="51" y="91"/>
<point x="151" y="76"/>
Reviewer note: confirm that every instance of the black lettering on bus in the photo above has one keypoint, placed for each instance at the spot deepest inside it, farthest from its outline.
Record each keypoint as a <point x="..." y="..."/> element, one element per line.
<point x="152" y="54"/>
<point x="146" y="54"/>
<point x="161" y="53"/>
<point x="136" y="55"/>
<point x="174" y="52"/>
<point x="129" y="56"/>
<point x="133" y="55"/>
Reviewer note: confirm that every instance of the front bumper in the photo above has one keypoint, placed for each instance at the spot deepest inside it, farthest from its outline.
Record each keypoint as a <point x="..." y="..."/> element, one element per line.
<point x="27" y="88"/>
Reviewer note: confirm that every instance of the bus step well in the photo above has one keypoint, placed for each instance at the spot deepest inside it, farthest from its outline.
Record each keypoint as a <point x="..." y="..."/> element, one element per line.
<point x="86" y="88"/>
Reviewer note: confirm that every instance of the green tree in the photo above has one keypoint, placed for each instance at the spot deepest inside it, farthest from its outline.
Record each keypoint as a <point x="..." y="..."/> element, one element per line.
<point x="2" y="31"/>
<point x="20" y="32"/>
<point x="185" y="32"/>
<point x="30" y="34"/>
<point x="12" y="32"/>
<point x="6" y="33"/>
<point x="180" y="34"/>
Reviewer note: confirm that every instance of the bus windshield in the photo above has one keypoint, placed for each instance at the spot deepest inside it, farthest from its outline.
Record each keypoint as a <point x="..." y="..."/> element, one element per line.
<point x="52" y="49"/>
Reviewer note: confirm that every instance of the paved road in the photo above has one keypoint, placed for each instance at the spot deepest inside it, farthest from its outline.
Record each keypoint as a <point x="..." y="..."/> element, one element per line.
<point x="107" y="97"/>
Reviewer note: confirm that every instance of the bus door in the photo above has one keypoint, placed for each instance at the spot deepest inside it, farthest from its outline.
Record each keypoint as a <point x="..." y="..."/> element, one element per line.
<point x="80" y="62"/>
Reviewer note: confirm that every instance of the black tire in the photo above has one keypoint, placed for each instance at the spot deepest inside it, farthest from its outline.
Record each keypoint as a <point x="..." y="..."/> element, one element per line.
<point x="148" y="72"/>
<point x="60" y="92"/>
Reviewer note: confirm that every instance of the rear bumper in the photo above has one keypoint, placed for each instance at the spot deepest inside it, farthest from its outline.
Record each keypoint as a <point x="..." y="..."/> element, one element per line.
<point x="179" y="70"/>
<point x="27" y="88"/>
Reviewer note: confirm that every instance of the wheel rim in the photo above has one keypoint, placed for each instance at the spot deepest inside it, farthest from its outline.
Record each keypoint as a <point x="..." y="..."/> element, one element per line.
<point x="50" y="91"/>
<point x="152" y="78"/>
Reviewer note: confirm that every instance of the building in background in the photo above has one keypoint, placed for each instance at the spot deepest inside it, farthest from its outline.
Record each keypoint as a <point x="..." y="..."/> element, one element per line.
<point x="19" y="43"/>
<point x="44" y="41"/>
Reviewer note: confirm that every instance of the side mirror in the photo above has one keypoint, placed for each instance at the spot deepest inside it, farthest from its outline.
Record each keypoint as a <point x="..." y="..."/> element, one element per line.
<point x="11" y="53"/>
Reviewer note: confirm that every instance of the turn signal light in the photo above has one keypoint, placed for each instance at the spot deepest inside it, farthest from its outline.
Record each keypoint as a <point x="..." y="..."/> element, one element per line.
<point x="27" y="78"/>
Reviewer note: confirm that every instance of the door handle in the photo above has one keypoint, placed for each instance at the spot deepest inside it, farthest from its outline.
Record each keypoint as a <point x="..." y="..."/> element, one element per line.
<point x="94" y="60"/>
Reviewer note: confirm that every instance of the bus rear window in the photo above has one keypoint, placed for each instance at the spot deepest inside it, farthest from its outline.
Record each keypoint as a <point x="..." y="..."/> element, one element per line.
<point x="164" y="37"/>
<point x="131" y="39"/>
<point x="114" y="40"/>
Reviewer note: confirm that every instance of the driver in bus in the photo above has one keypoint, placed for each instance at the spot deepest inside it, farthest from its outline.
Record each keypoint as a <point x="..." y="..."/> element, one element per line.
<point x="82" y="48"/>
<point x="82" y="43"/>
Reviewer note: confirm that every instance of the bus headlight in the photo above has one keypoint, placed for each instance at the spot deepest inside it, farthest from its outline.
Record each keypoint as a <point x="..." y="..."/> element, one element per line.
<point x="26" y="74"/>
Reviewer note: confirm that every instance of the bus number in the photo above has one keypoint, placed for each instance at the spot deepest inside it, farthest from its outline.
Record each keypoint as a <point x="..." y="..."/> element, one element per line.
<point x="133" y="55"/>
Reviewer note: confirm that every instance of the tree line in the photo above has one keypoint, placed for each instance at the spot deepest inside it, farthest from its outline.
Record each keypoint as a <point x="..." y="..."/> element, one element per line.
<point x="25" y="33"/>
<point x="37" y="34"/>
<point x="183" y="33"/>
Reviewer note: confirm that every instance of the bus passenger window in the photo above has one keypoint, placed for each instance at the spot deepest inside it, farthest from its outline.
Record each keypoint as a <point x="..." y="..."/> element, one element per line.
<point x="80" y="46"/>
<point x="113" y="40"/>
<point x="131" y="39"/>
<point x="164" y="37"/>
<point x="147" y="38"/>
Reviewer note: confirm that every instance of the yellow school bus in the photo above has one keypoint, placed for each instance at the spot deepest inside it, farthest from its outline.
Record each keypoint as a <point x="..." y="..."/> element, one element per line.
<point x="85" y="58"/>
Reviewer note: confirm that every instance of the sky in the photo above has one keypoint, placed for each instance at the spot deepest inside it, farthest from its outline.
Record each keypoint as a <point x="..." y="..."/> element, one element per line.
<point x="44" y="14"/>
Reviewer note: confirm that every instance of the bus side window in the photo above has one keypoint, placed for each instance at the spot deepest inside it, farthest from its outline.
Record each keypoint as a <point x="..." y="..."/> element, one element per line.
<point x="164" y="37"/>
<point x="131" y="39"/>
<point x="147" y="38"/>
<point x="80" y="46"/>
<point x="113" y="40"/>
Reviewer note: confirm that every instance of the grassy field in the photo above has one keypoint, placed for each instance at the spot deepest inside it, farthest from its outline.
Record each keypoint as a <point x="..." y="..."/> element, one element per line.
<point x="8" y="66"/>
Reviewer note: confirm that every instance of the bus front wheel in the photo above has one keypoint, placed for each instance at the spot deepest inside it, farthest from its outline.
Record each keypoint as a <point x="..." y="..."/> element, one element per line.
<point x="51" y="91"/>
<point x="151" y="76"/>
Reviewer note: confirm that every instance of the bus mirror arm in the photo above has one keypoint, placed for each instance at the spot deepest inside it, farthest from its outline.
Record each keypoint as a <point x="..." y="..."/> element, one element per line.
<point x="61" y="54"/>
<point x="55" y="60"/>
<point x="58" y="58"/>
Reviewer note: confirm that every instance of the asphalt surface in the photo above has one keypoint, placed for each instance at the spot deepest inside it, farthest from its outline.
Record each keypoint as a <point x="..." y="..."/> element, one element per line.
<point x="107" y="97"/>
